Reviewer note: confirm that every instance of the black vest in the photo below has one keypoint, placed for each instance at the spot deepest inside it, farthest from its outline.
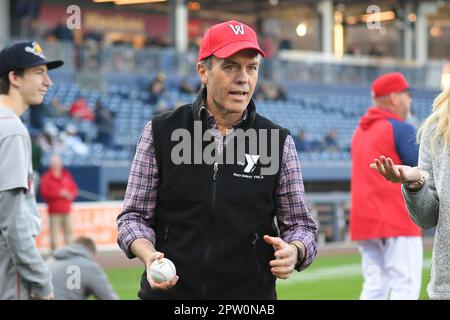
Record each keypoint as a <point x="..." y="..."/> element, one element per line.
<point x="211" y="219"/>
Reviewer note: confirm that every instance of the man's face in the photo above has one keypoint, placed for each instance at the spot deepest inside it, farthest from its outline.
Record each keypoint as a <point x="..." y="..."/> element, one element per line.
<point x="402" y="100"/>
<point x="33" y="84"/>
<point x="231" y="82"/>
<point x="56" y="163"/>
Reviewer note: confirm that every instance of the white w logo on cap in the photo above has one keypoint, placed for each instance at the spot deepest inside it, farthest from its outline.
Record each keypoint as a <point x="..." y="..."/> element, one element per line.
<point x="239" y="29"/>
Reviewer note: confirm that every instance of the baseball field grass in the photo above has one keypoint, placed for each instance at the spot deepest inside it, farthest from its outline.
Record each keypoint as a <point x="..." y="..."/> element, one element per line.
<point x="328" y="278"/>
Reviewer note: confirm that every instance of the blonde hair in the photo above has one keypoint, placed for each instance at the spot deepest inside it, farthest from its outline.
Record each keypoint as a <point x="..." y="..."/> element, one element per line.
<point x="440" y="117"/>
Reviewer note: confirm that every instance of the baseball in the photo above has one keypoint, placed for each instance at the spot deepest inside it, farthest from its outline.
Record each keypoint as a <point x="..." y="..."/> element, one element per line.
<point x="162" y="270"/>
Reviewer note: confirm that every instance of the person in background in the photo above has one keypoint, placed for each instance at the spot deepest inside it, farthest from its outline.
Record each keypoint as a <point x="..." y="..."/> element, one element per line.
<point x="389" y="242"/>
<point x="302" y="144"/>
<point x="24" y="80"/>
<point x="72" y="142"/>
<point x="80" y="110"/>
<point x="187" y="87"/>
<point x="157" y="88"/>
<point x="59" y="190"/>
<point x="330" y="141"/>
<point x="104" y="119"/>
<point x="77" y="260"/>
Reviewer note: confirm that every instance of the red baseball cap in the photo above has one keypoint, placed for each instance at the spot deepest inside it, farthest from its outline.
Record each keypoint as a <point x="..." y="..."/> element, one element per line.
<point x="227" y="38"/>
<point x="389" y="83"/>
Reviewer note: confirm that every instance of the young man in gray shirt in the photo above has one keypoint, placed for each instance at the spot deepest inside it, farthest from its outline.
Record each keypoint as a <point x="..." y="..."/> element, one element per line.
<point x="23" y="82"/>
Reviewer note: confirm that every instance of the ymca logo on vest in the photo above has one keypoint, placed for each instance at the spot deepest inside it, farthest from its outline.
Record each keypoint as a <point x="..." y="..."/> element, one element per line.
<point x="250" y="164"/>
<point x="190" y="150"/>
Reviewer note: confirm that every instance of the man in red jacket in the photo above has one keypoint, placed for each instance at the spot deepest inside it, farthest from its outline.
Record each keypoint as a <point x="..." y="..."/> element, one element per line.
<point x="58" y="189"/>
<point x="389" y="242"/>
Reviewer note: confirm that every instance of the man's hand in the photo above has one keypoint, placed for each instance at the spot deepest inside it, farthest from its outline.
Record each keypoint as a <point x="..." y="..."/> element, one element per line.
<point x="286" y="257"/>
<point x="158" y="285"/>
<point x="395" y="173"/>
<point x="49" y="296"/>
<point x="65" y="194"/>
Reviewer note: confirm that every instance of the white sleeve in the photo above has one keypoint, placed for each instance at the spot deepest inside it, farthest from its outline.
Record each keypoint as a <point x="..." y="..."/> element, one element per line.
<point x="14" y="168"/>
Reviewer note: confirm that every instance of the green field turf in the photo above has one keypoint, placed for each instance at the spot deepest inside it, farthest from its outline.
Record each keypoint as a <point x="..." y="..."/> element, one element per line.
<point x="328" y="278"/>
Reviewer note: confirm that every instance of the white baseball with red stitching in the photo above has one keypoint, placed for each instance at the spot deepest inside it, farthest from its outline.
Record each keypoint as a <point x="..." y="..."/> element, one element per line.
<point x="162" y="270"/>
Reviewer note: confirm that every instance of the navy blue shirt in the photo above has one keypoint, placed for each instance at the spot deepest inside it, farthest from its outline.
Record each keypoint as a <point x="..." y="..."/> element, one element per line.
<point x="405" y="142"/>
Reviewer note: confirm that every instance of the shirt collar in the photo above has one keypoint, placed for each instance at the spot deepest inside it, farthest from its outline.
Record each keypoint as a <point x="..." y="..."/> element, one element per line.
<point x="212" y="121"/>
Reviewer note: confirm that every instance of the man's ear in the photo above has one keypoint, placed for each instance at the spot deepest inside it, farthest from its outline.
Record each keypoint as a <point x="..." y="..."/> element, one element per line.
<point x="13" y="79"/>
<point x="202" y="72"/>
<point x="394" y="98"/>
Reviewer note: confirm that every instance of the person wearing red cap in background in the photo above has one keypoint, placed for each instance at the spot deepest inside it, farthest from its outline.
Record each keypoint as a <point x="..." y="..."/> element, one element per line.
<point x="24" y="81"/>
<point x="389" y="242"/>
<point x="216" y="221"/>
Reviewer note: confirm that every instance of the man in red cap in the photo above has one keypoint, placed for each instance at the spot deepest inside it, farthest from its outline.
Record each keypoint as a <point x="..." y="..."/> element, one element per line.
<point x="215" y="220"/>
<point x="389" y="241"/>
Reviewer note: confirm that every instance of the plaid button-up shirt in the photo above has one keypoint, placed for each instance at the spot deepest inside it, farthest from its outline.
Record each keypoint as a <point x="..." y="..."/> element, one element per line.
<point x="138" y="215"/>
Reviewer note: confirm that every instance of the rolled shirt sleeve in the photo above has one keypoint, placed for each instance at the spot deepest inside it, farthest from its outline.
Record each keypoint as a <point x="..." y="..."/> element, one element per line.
<point x="294" y="219"/>
<point x="137" y="217"/>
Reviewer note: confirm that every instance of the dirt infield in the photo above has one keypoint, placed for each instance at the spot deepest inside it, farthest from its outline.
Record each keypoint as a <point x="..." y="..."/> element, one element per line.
<point x="116" y="260"/>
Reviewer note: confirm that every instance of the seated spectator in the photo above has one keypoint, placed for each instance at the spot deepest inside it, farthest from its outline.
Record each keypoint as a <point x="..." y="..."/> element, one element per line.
<point x="49" y="140"/>
<point x="37" y="116"/>
<point x="39" y="113"/>
<point x="301" y="143"/>
<point x="104" y="119"/>
<point x="161" y="107"/>
<point x="80" y="110"/>
<point x="270" y="92"/>
<point x="72" y="142"/>
<point x="61" y="31"/>
<point x="330" y="142"/>
<point x="285" y="44"/>
<point x="54" y="109"/>
<point x="187" y="87"/>
<point x="157" y="88"/>
<point x="353" y="50"/>
<point x="375" y="51"/>
<point x="262" y="92"/>
<point x="280" y="93"/>
<point x="75" y="274"/>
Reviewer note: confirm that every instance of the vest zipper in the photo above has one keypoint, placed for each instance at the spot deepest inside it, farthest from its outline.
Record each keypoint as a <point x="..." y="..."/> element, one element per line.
<point x="213" y="205"/>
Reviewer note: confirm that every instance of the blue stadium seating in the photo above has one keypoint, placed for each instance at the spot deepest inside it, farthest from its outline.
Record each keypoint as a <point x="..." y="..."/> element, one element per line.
<point x="313" y="108"/>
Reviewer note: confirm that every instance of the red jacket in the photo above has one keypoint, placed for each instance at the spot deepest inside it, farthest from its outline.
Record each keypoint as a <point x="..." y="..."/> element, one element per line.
<point x="50" y="188"/>
<point x="378" y="209"/>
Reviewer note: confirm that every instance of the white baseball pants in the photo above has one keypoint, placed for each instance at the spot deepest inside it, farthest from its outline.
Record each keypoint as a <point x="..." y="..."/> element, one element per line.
<point x="392" y="268"/>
